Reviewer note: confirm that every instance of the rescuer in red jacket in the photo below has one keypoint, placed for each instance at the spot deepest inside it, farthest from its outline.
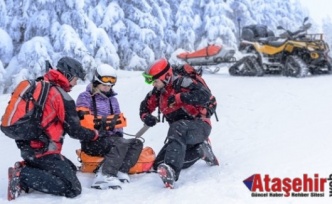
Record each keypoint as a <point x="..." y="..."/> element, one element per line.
<point x="182" y="101"/>
<point x="44" y="168"/>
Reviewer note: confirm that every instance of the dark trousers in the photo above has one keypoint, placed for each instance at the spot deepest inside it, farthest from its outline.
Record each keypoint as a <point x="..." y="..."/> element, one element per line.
<point x="183" y="139"/>
<point x="119" y="154"/>
<point x="52" y="174"/>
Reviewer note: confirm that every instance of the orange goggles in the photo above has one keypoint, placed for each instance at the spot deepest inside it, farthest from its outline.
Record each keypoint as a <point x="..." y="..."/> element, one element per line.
<point x="107" y="79"/>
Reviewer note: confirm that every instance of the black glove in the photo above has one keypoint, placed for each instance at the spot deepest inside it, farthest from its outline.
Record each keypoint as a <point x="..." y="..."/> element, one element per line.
<point x="102" y="132"/>
<point x="100" y="123"/>
<point x="81" y="114"/>
<point x="171" y="101"/>
<point x="150" y="120"/>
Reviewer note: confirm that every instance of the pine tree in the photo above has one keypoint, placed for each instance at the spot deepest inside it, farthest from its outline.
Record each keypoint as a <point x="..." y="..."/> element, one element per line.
<point x="127" y="34"/>
<point x="2" y="78"/>
<point x="144" y="33"/>
<point x="3" y="14"/>
<point x="185" y="26"/>
<point x="217" y="25"/>
<point x="327" y="30"/>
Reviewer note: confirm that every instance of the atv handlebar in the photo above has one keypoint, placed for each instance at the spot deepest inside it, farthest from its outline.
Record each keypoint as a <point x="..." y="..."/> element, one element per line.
<point x="299" y="34"/>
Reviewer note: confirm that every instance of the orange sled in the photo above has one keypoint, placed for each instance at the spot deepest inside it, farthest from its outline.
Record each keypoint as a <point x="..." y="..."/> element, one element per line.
<point x="90" y="163"/>
<point x="210" y="55"/>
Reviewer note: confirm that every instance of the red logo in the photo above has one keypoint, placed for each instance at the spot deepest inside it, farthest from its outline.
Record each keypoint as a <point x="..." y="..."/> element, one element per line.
<point x="305" y="186"/>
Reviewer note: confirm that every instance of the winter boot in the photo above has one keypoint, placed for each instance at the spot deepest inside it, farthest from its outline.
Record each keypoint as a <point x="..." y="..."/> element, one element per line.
<point x="167" y="175"/>
<point x="14" y="187"/>
<point x="206" y="153"/>
<point x="123" y="177"/>
<point x="103" y="182"/>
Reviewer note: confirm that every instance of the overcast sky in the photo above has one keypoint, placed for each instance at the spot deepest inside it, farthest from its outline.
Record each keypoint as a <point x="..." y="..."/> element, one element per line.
<point x="318" y="8"/>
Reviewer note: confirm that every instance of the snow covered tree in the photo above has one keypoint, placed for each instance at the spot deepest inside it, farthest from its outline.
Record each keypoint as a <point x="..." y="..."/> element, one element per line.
<point x="243" y="11"/>
<point x="99" y="38"/>
<point x="185" y="26"/>
<point x="6" y="47"/>
<point x="327" y="30"/>
<point x="265" y="13"/>
<point x="284" y="14"/>
<point x="3" y="14"/>
<point x="169" y="9"/>
<point x="298" y="11"/>
<point x="136" y="47"/>
<point x="217" y="25"/>
<point x="31" y="58"/>
<point x="162" y="12"/>
<point x="16" y="19"/>
<point x="127" y="34"/>
<point x="242" y="15"/>
<point x="275" y="13"/>
<point x="2" y="77"/>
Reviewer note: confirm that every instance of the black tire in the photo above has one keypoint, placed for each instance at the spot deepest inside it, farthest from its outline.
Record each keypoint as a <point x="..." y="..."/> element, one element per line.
<point x="247" y="66"/>
<point x="329" y="66"/>
<point x="295" y="67"/>
<point x="323" y="68"/>
<point x="234" y="70"/>
<point x="252" y="68"/>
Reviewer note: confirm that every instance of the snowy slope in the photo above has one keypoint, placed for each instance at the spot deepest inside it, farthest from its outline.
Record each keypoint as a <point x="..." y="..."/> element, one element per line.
<point x="272" y="125"/>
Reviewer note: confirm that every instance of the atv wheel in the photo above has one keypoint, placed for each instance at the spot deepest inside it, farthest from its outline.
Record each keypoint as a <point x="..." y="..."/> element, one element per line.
<point x="234" y="70"/>
<point x="252" y="68"/>
<point x="247" y="66"/>
<point x="323" y="68"/>
<point x="328" y="66"/>
<point x="295" y="67"/>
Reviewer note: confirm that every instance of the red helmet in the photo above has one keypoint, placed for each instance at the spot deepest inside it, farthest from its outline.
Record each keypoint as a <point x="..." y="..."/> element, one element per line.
<point x="160" y="69"/>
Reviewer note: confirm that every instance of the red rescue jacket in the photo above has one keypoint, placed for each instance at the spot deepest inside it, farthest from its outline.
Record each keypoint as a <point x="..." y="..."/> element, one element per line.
<point x="190" y="100"/>
<point x="59" y="118"/>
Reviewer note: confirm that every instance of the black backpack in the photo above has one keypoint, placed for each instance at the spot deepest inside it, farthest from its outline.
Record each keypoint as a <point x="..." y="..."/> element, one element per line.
<point x="189" y="71"/>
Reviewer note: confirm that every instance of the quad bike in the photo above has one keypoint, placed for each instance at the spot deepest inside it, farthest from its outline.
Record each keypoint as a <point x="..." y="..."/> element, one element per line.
<point x="292" y="54"/>
<point x="209" y="56"/>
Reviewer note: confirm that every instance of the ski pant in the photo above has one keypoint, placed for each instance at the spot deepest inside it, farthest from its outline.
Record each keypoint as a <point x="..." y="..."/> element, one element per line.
<point x="52" y="174"/>
<point x="183" y="139"/>
<point x="119" y="154"/>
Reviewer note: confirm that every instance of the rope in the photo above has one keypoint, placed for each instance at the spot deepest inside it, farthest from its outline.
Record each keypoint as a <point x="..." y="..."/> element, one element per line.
<point x="131" y="135"/>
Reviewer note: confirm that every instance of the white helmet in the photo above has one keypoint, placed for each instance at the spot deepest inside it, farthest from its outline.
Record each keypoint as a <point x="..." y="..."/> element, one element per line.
<point x="105" y="74"/>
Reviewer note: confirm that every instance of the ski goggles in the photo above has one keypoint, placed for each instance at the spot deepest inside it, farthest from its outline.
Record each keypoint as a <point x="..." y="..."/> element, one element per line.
<point x="107" y="79"/>
<point x="148" y="78"/>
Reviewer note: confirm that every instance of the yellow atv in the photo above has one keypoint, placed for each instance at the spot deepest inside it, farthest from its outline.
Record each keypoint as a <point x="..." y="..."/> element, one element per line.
<point x="292" y="54"/>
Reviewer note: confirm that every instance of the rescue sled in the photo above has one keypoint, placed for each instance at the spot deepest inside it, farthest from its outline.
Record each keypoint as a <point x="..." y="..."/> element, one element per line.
<point x="209" y="56"/>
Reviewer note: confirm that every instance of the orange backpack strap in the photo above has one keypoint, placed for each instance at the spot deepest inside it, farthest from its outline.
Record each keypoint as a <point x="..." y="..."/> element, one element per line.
<point x="90" y="121"/>
<point x="86" y="119"/>
<point x="118" y="119"/>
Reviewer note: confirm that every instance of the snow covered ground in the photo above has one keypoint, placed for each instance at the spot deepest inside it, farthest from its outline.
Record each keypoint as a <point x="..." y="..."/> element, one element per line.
<point x="270" y="125"/>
